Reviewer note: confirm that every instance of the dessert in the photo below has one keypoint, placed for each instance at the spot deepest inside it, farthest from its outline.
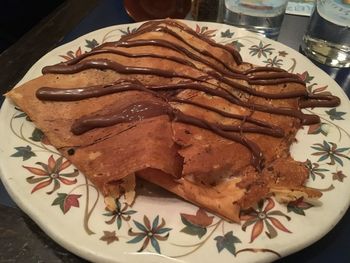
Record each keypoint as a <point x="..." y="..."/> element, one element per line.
<point x="179" y="110"/>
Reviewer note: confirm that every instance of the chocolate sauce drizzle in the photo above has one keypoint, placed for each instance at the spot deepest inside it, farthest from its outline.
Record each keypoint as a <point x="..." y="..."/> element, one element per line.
<point x="155" y="25"/>
<point x="224" y="74"/>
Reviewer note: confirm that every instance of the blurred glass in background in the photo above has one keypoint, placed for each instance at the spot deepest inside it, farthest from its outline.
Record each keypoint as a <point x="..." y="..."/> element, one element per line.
<point x="260" y="16"/>
<point x="327" y="39"/>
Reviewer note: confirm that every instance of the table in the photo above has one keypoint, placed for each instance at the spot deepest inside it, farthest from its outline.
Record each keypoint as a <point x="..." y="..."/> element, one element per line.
<point x="20" y="239"/>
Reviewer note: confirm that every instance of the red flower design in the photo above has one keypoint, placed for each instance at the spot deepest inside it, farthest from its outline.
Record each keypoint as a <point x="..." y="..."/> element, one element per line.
<point x="51" y="173"/>
<point x="263" y="217"/>
<point x="71" y="54"/>
<point x="205" y="31"/>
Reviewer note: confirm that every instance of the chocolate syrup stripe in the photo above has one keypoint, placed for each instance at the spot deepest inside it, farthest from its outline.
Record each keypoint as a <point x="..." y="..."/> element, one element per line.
<point x="145" y="109"/>
<point x="202" y="51"/>
<point x="56" y="94"/>
<point x="154" y="24"/>
<point x="104" y="64"/>
<point x="125" y="54"/>
<point x="175" y="47"/>
<point x="254" y="79"/>
<point x="260" y="79"/>
<point x="172" y="46"/>
<point x="257" y="157"/>
<point x="265" y="127"/>
<point x="318" y="100"/>
<point x="262" y="69"/>
<point x="107" y="64"/>
<point x="305" y="119"/>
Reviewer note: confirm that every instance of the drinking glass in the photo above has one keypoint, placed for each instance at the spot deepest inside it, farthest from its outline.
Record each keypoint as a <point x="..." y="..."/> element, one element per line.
<point x="327" y="39"/>
<point x="260" y="16"/>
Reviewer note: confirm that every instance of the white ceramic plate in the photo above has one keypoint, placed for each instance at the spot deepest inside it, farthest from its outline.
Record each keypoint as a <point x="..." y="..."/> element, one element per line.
<point x="165" y="228"/>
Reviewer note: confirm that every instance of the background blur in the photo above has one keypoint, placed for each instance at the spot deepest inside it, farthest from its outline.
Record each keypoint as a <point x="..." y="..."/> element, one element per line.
<point x="19" y="16"/>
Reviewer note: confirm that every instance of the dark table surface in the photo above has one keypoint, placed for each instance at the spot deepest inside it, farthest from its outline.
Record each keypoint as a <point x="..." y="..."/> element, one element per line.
<point x="20" y="239"/>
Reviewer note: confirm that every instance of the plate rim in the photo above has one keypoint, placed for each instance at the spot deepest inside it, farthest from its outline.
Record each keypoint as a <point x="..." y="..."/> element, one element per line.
<point x="83" y="251"/>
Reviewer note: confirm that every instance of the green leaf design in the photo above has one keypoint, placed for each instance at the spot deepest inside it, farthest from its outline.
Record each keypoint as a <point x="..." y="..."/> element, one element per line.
<point x="140" y="226"/>
<point x="308" y="77"/>
<point x="129" y="212"/>
<point x="119" y="222"/>
<point x="66" y="201"/>
<point x="237" y="45"/>
<point x="227" y="33"/>
<point x="338" y="160"/>
<point x="271" y="231"/>
<point x="24" y="152"/>
<point x="295" y="209"/>
<point x="298" y="206"/>
<point x="21" y="115"/>
<point x="137" y="239"/>
<point x="91" y="43"/>
<point x="335" y="115"/>
<point x="228" y="242"/>
<point x="155" y="222"/>
<point x="33" y="180"/>
<point x="155" y="245"/>
<point x="193" y="230"/>
<point x="37" y="135"/>
<point x="60" y="200"/>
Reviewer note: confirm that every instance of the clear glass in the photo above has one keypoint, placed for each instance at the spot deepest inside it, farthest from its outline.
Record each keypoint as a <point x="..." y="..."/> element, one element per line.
<point x="263" y="16"/>
<point x="327" y="39"/>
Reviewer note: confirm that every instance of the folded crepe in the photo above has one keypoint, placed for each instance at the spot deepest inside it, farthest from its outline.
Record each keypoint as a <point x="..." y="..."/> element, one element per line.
<point x="180" y="111"/>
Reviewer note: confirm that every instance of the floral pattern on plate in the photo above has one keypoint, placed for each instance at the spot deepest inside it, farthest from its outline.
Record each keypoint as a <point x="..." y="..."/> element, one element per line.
<point x="159" y="226"/>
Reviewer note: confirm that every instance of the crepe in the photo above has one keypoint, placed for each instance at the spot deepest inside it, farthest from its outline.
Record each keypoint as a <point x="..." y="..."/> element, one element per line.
<point x="180" y="111"/>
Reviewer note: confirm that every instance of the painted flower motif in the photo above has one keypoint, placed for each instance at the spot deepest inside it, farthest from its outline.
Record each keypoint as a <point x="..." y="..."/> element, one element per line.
<point x="196" y="225"/>
<point x="109" y="237"/>
<point x="330" y="150"/>
<point x="149" y="233"/>
<point x="66" y="201"/>
<point x="25" y="152"/>
<point x="318" y="128"/>
<point x="282" y="53"/>
<point x="71" y="54"/>
<point x="263" y="217"/>
<point x="227" y="34"/>
<point x="236" y="45"/>
<point x="119" y="214"/>
<point x="91" y="44"/>
<point x="338" y="176"/>
<point x="22" y="114"/>
<point x="128" y="31"/>
<point x="305" y="76"/>
<point x="51" y="173"/>
<point x="315" y="170"/>
<point x="318" y="90"/>
<point x="261" y="50"/>
<point x="273" y="62"/>
<point x="205" y="31"/>
<point x="335" y="115"/>
<point x="298" y="206"/>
